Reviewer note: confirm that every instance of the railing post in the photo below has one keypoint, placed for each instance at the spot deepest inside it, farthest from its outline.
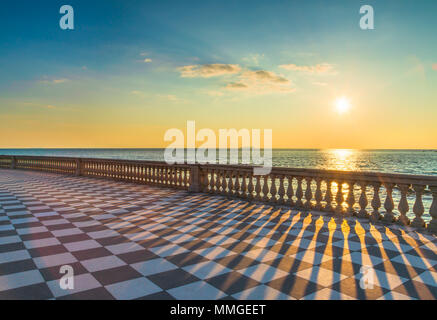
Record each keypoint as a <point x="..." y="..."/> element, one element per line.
<point x="13" y="162"/>
<point x="194" y="179"/>
<point x="432" y="226"/>
<point x="78" y="167"/>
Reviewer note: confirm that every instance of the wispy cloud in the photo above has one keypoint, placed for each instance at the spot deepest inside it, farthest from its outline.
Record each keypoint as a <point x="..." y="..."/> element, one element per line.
<point x="434" y="66"/>
<point x="54" y="81"/>
<point x="261" y="82"/>
<point x="321" y="68"/>
<point x="322" y="84"/>
<point x="208" y="70"/>
<point x="147" y="60"/>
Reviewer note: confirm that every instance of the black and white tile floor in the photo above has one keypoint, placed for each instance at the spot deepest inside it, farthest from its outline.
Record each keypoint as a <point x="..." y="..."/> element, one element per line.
<point x="128" y="241"/>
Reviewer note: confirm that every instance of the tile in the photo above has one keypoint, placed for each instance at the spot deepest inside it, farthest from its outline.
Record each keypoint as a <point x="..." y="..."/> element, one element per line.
<point x="20" y="279"/>
<point x="154" y="266"/>
<point x="102" y="263"/>
<point x="199" y="290"/>
<point x="207" y="269"/>
<point x="132" y="289"/>
<point x="82" y="283"/>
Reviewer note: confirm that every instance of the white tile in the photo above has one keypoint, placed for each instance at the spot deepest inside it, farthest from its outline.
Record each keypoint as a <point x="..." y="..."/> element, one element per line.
<point x="54" y="260"/>
<point x="206" y="270"/>
<point x="262" y="292"/>
<point x="168" y="250"/>
<point x="103" y="234"/>
<point x="153" y="266"/>
<point x="9" y="239"/>
<point x="362" y="259"/>
<point x="381" y="279"/>
<point x="12" y="256"/>
<point x="263" y="273"/>
<point x="66" y="232"/>
<point x="199" y="290"/>
<point x="213" y="253"/>
<point x="327" y="294"/>
<point x="102" y="263"/>
<point x="428" y="277"/>
<point x="39" y="243"/>
<point x="31" y="230"/>
<point x="82" y="283"/>
<point x="263" y="255"/>
<point x="132" y="289"/>
<point x="418" y="262"/>
<point x="20" y="279"/>
<point x="82" y="245"/>
<point x="321" y="276"/>
<point x="124" y="247"/>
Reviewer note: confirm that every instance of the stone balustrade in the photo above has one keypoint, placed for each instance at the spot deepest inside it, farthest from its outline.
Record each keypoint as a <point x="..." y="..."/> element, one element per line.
<point x="366" y="195"/>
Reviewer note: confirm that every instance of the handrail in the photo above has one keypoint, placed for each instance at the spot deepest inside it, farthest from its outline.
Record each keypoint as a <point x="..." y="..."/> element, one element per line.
<point x="344" y="193"/>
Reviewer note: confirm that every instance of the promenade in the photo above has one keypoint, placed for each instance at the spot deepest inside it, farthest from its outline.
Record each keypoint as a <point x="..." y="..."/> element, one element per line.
<point x="136" y="241"/>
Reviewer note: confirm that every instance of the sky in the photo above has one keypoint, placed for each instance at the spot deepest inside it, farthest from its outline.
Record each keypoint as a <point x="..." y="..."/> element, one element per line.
<point x="131" y="70"/>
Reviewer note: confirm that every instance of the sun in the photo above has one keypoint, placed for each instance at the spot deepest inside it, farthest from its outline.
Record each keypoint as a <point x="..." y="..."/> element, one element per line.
<point x="342" y="105"/>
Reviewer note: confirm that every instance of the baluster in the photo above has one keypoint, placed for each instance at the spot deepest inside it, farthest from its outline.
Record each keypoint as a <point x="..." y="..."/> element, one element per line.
<point x="339" y="198"/>
<point x="376" y="202"/>
<point x="308" y="194"/>
<point x="299" y="193"/>
<point x="363" y="201"/>
<point x="231" y="184"/>
<point x="185" y="171"/>
<point x="350" y="199"/>
<point x="403" y="206"/>
<point x="237" y="184"/>
<point x="250" y="187"/>
<point x="265" y="189"/>
<point x="273" y="190"/>
<point x="218" y="182"/>
<point x="318" y="194"/>
<point x="432" y="226"/>
<point x="290" y="192"/>
<point x="258" y="189"/>
<point x="281" y="191"/>
<point x="206" y="181"/>
<point x="211" y="182"/>
<point x="224" y="184"/>
<point x="388" y="203"/>
<point x="418" y="209"/>
<point x="328" y="196"/>
<point x="244" y="186"/>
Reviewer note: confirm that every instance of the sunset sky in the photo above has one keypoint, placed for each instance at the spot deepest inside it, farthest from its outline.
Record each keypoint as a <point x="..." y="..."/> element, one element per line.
<point x="133" y="69"/>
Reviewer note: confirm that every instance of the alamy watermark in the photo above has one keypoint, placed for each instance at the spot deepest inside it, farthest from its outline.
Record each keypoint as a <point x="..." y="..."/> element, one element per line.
<point x="182" y="148"/>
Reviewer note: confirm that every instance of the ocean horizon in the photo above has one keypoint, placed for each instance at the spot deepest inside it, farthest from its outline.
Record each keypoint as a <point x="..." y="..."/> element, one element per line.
<point x="406" y="161"/>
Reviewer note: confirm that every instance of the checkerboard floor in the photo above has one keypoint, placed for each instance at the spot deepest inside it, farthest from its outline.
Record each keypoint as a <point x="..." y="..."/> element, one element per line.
<point x="128" y="241"/>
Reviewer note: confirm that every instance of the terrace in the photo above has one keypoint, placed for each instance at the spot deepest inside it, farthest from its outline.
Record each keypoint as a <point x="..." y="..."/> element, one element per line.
<point x="149" y="230"/>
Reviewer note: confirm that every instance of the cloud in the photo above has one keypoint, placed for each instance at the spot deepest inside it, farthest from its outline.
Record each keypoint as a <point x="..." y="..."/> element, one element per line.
<point x="208" y="70"/>
<point x="434" y="66"/>
<point x="54" y="81"/>
<point x="321" y="68"/>
<point x="261" y="82"/>
<point x="147" y="60"/>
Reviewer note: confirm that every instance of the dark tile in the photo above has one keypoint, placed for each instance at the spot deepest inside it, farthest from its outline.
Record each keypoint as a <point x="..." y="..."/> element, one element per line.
<point x="36" y="236"/>
<point x="294" y="286"/>
<point x="186" y="259"/>
<point x="236" y="262"/>
<point x="112" y="240"/>
<point x="74" y="238"/>
<point x="91" y="253"/>
<point x="16" y="266"/>
<point x="47" y="251"/>
<point x="53" y="273"/>
<point x="417" y="290"/>
<point x="38" y="291"/>
<point x="113" y="275"/>
<point x="93" y="294"/>
<point x="232" y="282"/>
<point x="137" y="256"/>
<point x="351" y="287"/>
<point x="172" y="279"/>
<point x="12" y="247"/>
<point x="157" y="296"/>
